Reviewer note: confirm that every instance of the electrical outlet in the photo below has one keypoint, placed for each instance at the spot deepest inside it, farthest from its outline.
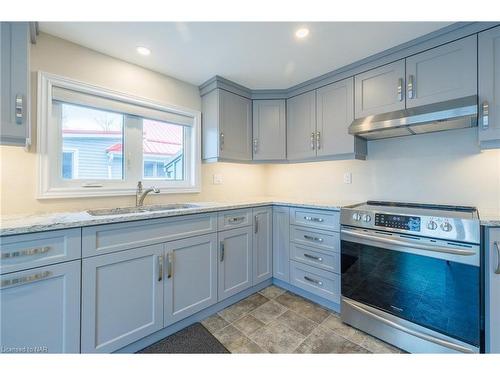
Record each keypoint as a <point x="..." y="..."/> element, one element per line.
<point x="217" y="179"/>
<point x="347" y="178"/>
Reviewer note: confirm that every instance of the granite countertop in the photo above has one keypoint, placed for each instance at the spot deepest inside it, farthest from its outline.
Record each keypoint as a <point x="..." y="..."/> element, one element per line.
<point x="19" y="224"/>
<point x="490" y="218"/>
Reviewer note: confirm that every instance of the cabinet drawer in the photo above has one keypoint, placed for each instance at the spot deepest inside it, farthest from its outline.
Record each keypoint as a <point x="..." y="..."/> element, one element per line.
<point x="322" y="283"/>
<point x="234" y="219"/>
<point x="320" y="219"/>
<point x="108" y="238"/>
<point x="39" y="249"/>
<point x="326" y="260"/>
<point x="321" y="239"/>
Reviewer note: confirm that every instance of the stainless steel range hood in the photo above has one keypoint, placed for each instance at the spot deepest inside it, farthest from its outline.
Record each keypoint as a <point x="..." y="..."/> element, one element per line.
<point x="452" y="114"/>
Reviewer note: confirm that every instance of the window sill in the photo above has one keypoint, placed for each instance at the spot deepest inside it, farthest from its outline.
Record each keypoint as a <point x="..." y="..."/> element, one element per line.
<point x="101" y="192"/>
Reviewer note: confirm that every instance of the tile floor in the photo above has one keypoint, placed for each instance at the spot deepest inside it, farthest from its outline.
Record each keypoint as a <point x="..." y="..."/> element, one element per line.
<point x="277" y="321"/>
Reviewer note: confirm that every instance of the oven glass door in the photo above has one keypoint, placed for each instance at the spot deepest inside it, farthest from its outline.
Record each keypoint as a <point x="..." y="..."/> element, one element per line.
<point x="438" y="294"/>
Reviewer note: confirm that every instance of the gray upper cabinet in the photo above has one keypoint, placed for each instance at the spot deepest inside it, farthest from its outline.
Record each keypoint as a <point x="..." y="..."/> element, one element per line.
<point x="262" y="244"/>
<point x="301" y="126"/>
<point x="380" y="90"/>
<point x="227" y="126"/>
<point x="14" y="83"/>
<point x="334" y="114"/>
<point x="492" y="292"/>
<point x="190" y="276"/>
<point x="489" y="88"/>
<point x="235" y="261"/>
<point x="281" y="243"/>
<point x="40" y="309"/>
<point x="122" y="298"/>
<point x="442" y="73"/>
<point x="269" y="130"/>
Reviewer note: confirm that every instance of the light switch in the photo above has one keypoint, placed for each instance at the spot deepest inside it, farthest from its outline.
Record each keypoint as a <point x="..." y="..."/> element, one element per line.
<point x="217" y="179"/>
<point x="347" y="178"/>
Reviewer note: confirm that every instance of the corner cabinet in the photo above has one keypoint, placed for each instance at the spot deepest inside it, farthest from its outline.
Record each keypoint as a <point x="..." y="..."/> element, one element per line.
<point x="122" y="298"/>
<point x="262" y="244"/>
<point x="492" y="292"/>
<point x="14" y="83"/>
<point x="281" y="243"/>
<point x="269" y="130"/>
<point x="227" y="127"/>
<point x="489" y="88"/>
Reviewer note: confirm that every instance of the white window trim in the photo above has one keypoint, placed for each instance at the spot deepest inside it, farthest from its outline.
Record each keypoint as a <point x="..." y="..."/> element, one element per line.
<point x="47" y="168"/>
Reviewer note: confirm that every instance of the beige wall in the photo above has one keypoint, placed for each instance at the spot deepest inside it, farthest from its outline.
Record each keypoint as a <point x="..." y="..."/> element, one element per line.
<point x="54" y="55"/>
<point x="440" y="168"/>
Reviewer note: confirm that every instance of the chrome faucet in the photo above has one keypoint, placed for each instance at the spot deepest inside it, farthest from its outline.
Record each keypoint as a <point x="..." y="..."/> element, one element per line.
<point x="140" y="194"/>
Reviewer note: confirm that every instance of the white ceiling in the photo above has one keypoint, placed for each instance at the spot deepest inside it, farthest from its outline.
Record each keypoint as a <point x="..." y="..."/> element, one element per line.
<point x="258" y="55"/>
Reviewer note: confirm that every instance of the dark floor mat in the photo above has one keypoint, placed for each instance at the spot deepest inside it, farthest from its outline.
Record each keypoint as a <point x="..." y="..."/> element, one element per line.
<point x="193" y="339"/>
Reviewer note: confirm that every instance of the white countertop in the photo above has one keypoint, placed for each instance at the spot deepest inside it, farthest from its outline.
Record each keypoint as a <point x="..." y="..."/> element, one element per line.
<point x="18" y="224"/>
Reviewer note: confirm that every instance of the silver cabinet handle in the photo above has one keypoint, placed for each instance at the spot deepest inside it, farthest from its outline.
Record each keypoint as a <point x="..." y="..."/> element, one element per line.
<point x="400" y="90"/>
<point x="318" y="140"/>
<point x="485" y="118"/>
<point x="222" y="250"/>
<point x="411" y="87"/>
<point x="221" y="141"/>
<point x="26" y="252"/>
<point x="19" y="109"/>
<point x="315" y="219"/>
<point x="312" y="238"/>
<point x="255" y="145"/>
<point x="26" y="279"/>
<point x="312" y="141"/>
<point x="170" y="265"/>
<point x="256" y="224"/>
<point x="236" y="219"/>
<point x="311" y="280"/>
<point x="160" y="267"/>
<point x="319" y="259"/>
<point x="497" y="246"/>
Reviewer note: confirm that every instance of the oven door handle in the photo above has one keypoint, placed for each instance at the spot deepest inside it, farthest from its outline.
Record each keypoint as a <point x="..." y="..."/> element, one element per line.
<point x="391" y="241"/>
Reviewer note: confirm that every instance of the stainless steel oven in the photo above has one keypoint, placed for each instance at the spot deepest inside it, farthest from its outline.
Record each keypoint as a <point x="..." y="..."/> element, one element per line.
<point x="411" y="275"/>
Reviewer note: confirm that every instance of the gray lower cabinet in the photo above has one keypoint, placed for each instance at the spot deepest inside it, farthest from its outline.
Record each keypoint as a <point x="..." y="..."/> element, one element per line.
<point x="227" y="126"/>
<point x="269" y="130"/>
<point x="14" y="83"/>
<point x="301" y="126"/>
<point x="489" y="88"/>
<point x="234" y="261"/>
<point x="262" y="244"/>
<point x="40" y="309"/>
<point x="334" y="114"/>
<point x="281" y="243"/>
<point x="492" y="292"/>
<point x="380" y="90"/>
<point x="122" y="298"/>
<point x="190" y="276"/>
<point x="442" y="73"/>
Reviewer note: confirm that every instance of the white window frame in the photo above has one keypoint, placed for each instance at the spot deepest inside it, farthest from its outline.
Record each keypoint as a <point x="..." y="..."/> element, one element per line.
<point x="49" y="146"/>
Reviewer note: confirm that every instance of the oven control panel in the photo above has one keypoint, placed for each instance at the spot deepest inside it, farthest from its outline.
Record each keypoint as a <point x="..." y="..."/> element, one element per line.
<point x="411" y="223"/>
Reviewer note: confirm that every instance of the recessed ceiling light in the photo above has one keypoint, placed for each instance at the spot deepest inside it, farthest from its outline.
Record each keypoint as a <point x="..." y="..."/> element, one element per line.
<point x="143" y="51"/>
<point x="302" y="32"/>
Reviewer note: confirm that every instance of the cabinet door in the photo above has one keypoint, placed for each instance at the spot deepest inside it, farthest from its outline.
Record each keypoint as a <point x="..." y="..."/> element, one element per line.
<point x="281" y="243"/>
<point x="40" y="310"/>
<point x="335" y="112"/>
<point x="235" y="122"/>
<point x="191" y="276"/>
<point x="492" y="293"/>
<point x="14" y="82"/>
<point x="380" y="90"/>
<point x="235" y="261"/>
<point x="262" y="244"/>
<point x="122" y="298"/>
<point x="489" y="88"/>
<point x="269" y="130"/>
<point x="442" y="73"/>
<point x="301" y="126"/>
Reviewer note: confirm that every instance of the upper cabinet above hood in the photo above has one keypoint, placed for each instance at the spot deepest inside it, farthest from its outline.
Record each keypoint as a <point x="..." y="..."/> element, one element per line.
<point x="451" y="114"/>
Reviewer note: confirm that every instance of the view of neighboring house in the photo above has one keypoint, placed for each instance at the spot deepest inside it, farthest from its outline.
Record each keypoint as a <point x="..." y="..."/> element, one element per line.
<point x="93" y="146"/>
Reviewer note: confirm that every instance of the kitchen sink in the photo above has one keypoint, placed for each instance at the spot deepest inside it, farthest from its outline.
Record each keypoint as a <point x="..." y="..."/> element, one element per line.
<point x="140" y="209"/>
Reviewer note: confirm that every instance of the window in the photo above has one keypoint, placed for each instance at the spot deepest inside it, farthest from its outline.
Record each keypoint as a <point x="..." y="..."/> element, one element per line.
<point x="96" y="142"/>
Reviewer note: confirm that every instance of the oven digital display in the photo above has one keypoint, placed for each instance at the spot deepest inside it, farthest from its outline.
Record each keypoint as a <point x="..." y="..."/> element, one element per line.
<point x="411" y="223"/>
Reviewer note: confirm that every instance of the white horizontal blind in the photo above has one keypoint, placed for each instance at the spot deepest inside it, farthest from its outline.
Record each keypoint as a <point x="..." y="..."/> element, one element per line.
<point x="119" y="106"/>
